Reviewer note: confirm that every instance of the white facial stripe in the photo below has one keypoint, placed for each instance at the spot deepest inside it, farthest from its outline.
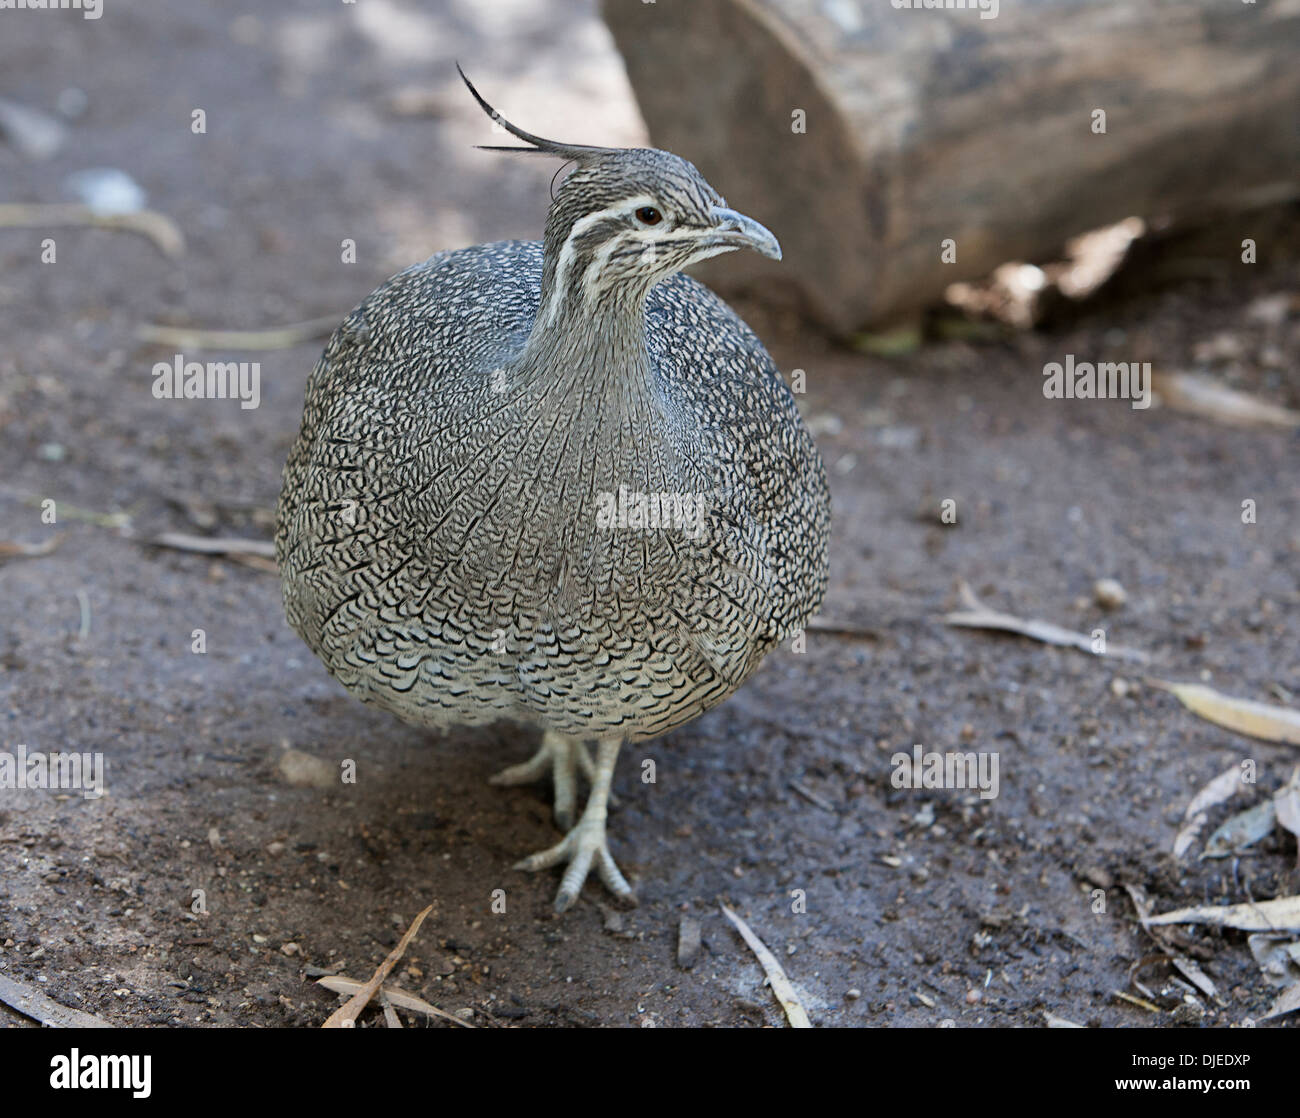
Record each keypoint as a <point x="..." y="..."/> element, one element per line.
<point x="565" y="261"/>
<point x="591" y="276"/>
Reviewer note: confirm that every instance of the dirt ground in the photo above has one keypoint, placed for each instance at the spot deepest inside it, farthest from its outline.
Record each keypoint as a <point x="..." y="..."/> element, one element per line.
<point x="921" y="906"/>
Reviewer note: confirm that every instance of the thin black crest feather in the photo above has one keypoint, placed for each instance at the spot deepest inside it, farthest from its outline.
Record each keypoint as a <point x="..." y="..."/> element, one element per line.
<point x="541" y="145"/>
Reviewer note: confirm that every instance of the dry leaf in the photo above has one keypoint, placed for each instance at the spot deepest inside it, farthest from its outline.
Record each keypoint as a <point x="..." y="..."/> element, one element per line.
<point x="1255" y="720"/>
<point x="1287" y="802"/>
<point x="1278" y="957"/>
<point x="345" y="1017"/>
<point x="1219" y="789"/>
<point x="1279" y="915"/>
<point x="1244" y="829"/>
<point x="979" y="616"/>
<point x="1203" y="396"/>
<point x="395" y="994"/>
<point x="1055" y="1022"/>
<point x="776" y="977"/>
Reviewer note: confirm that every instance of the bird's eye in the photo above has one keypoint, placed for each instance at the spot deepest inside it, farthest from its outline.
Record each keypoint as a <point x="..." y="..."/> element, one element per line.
<point x="648" y="215"/>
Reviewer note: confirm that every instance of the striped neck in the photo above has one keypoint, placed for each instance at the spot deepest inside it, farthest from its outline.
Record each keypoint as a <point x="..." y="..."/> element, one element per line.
<point x="581" y="333"/>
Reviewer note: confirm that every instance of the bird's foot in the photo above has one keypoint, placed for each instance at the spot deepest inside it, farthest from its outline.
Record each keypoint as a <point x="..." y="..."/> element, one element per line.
<point x="559" y="757"/>
<point x="563" y="759"/>
<point x="584" y="845"/>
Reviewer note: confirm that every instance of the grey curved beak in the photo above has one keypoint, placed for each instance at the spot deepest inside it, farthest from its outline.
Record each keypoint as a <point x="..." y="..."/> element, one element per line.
<point x="740" y="231"/>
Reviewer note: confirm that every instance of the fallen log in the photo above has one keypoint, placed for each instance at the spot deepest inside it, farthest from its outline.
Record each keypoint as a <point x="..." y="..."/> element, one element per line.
<point x="872" y="137"/>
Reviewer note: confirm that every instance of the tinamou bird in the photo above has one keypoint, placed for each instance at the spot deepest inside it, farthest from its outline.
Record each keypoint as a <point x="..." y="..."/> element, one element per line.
<point x="557" y="483"/>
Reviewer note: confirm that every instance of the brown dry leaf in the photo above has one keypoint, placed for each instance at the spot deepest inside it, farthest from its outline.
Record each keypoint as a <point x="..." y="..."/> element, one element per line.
<point x="776" y="977"/>
<point x="1279" y="915"/>
<point x="1255" y="720"/>
<point x="1221" y="788"/>
<point x="345" y="1017"/>
<point x="395" y="995"/>
<point x="1203" y="396"/>
<point x="979" y="616"/>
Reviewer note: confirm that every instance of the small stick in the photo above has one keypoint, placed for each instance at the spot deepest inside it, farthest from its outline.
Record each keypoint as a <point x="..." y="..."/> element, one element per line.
<point x="281" y="337"/>
<point x="345" y="1017"/>
<point x="157" y="227"/>
<point x="776" y="977"/>
<point x="83" y="600"/>
<point x="399" y="997"/>
<point x="212" y="545"/>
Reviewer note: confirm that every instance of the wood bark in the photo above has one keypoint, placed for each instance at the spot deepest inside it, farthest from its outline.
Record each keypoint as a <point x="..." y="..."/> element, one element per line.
<point x="929" y="124"/>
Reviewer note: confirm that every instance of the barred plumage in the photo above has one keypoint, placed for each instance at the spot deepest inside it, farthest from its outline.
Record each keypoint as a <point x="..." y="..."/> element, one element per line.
<point x="557" y="483"/>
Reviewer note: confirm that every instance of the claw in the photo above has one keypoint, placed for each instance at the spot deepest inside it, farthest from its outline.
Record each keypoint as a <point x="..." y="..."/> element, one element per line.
<point x="586" y="844"/>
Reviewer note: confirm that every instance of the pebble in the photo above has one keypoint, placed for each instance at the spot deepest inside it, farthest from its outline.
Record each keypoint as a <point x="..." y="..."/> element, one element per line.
<point x="1108" y="593"/>
<point x="105" y="190"/>
<point x="305" y="771"/>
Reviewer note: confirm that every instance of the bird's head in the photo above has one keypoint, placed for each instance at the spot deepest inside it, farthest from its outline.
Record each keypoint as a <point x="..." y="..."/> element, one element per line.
<point x="626" y="218"/>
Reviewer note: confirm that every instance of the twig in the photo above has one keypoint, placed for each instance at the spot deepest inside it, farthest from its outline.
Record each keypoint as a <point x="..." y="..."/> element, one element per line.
<point x="812" y="797"/>
<point x="395" y="994"/>
<point x="157" y="227"/>
<point x="83" y="600"/>
<point x="979" y="616"/>
<point x="1140" y="1002"/>
<point x="280" y="337"/>
<point x="345" y="1017"/>
<point x="10" y="549"/>
<point x="776" y="977"/>
<point x="214" y="545"/>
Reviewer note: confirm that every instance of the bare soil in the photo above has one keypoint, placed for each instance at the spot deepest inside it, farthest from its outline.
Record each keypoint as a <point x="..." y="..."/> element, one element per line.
<point x="921" y="906"/>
